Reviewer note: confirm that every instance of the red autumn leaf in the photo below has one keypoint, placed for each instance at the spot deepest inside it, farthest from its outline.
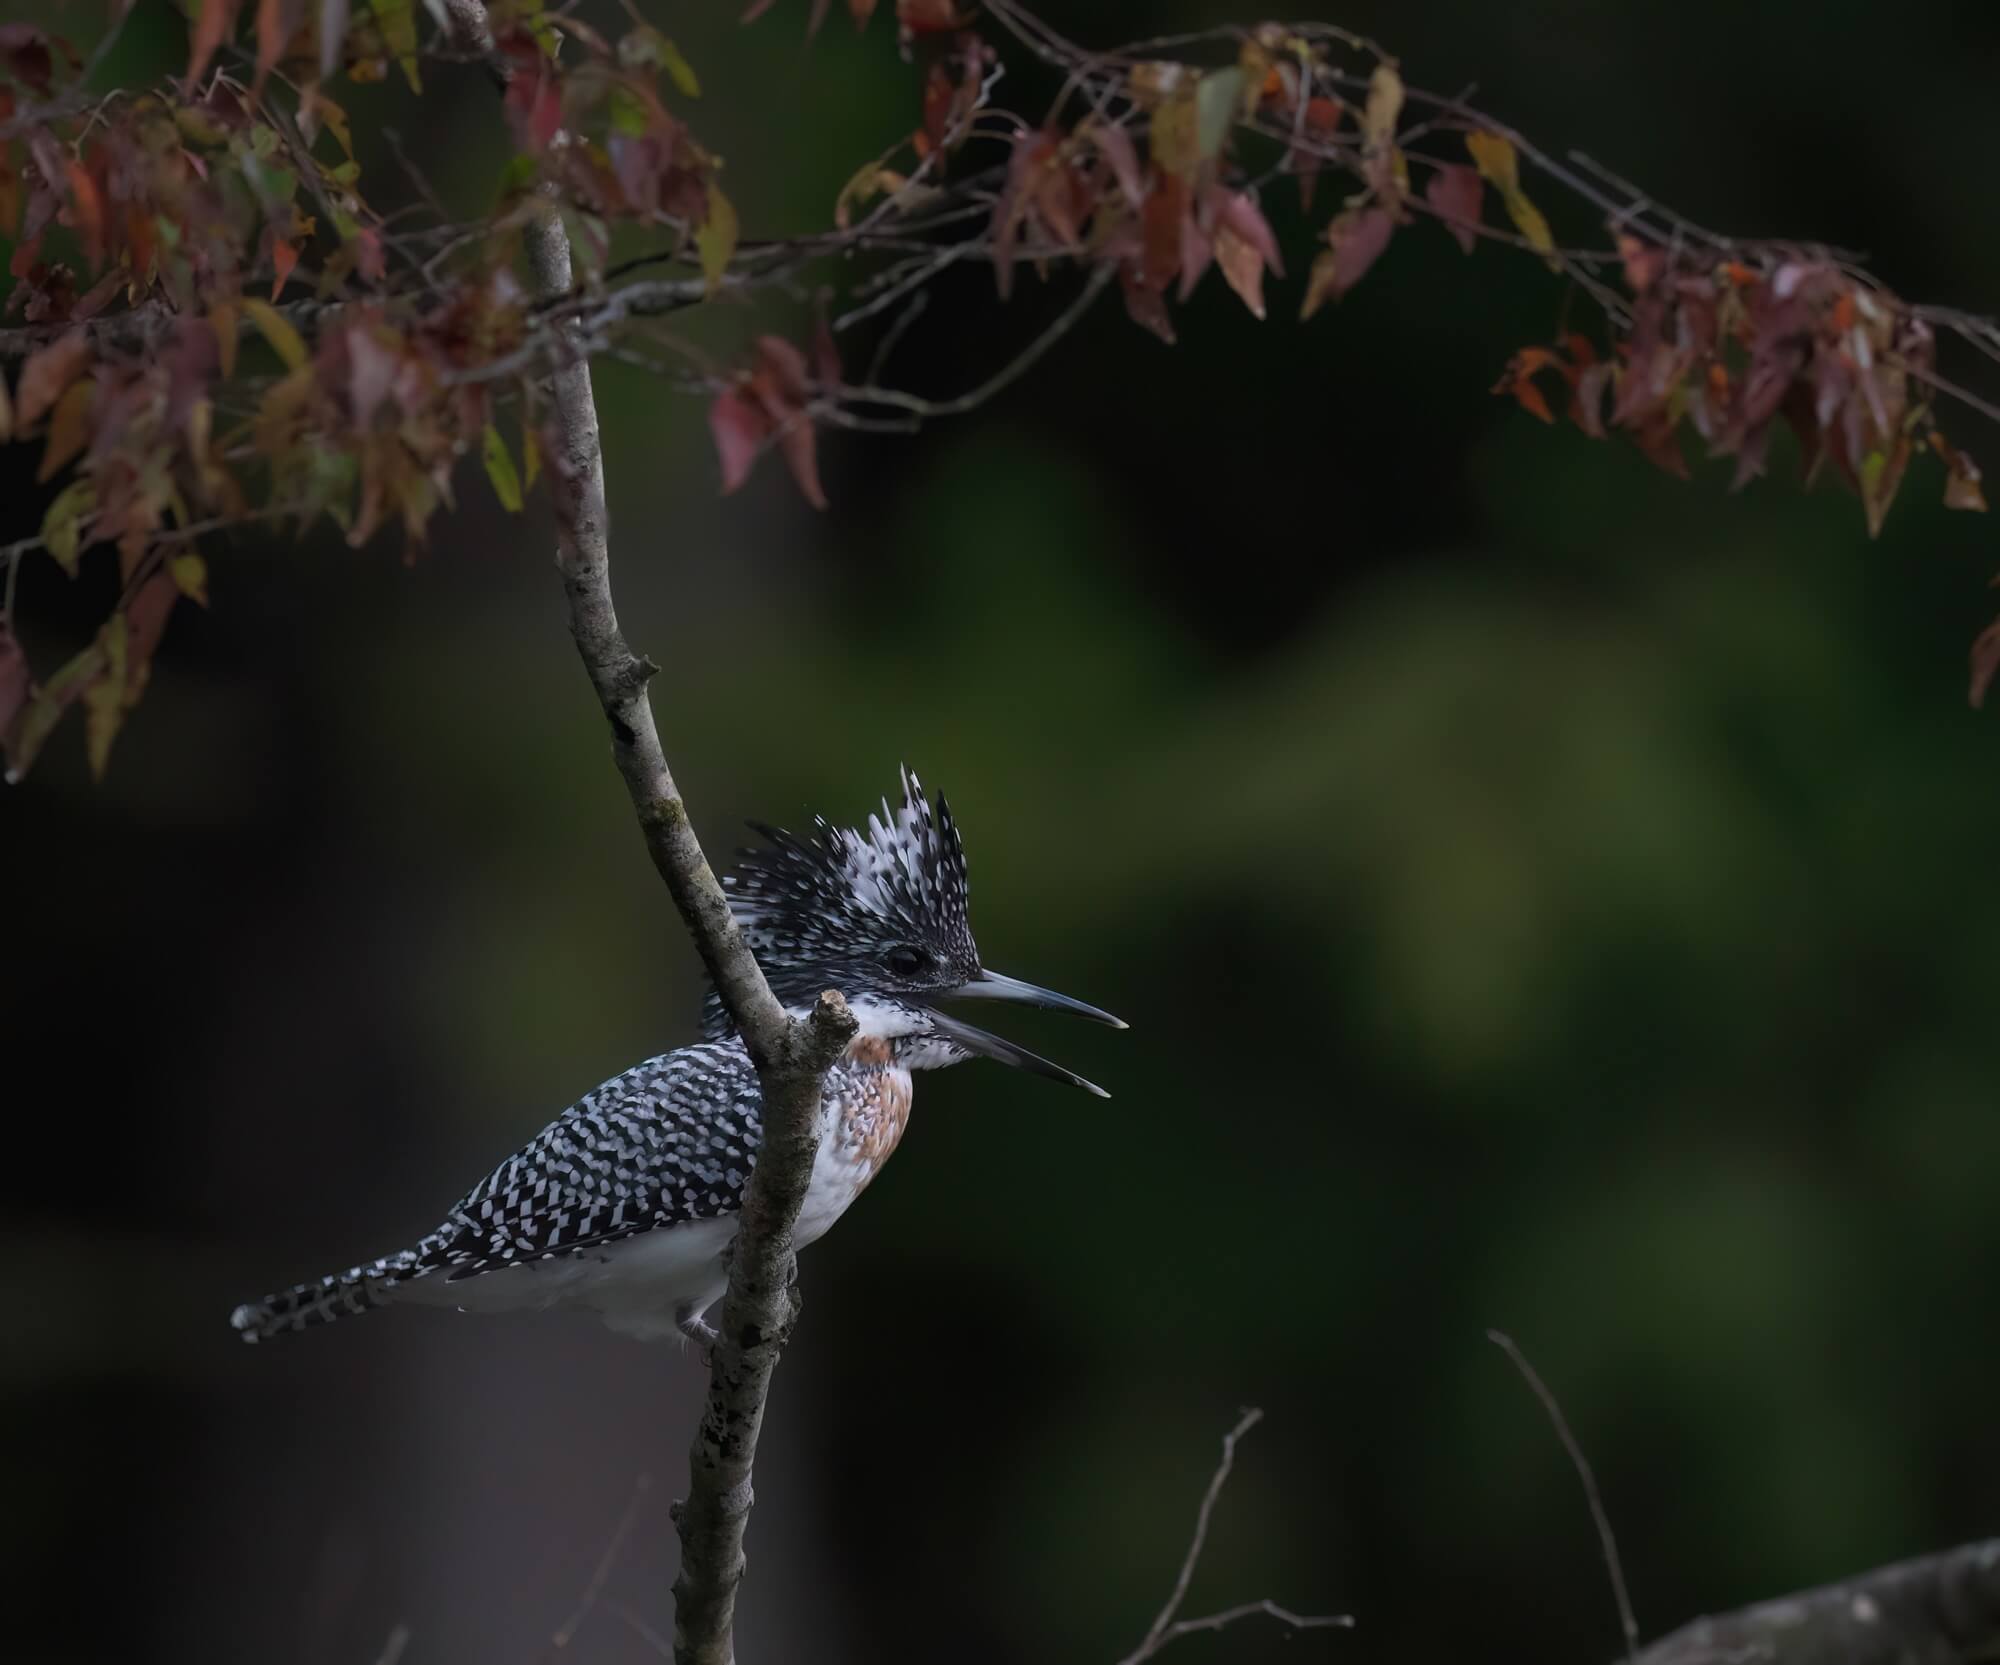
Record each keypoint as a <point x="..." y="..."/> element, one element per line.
<point x="1195" y="253"/>
<point x="799" y="442"/>
<point x="274" y="27"/>
<point x="87" y="209"/>
<point x="284" y="256"/>
<point x="1586" y="405"/>
<point x="1519" y="380"/>
<point x="1237" y="211"/>
<point x="46" y="375"/>
<point x="1145" y="304"/>
<point x="1985" y="662"/>
<point x="212" y="26"/>
<point x="1962" y="489"/>
<point x="1160" y="230"/>
<point x="1456" y="194"/>
<point x="1358" y="237"/>
<point x="786" y="367"/>
<point x="1115" y="145"/>
<point x="738" y="427"/>
<point x="928" y="17"/>
<point x="862" y="11"/>
<point x="1643" y="262"/>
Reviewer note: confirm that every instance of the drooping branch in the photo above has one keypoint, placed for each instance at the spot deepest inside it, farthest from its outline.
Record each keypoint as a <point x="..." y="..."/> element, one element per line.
<point x="1939" y="1609"/>
<point x="792" y="1056"/>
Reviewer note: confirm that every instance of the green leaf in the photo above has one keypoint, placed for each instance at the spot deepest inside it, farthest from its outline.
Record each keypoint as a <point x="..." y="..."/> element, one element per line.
<point x="715" y="242"/>
<point x="678" y="69"/>
<point x="1218" y="100"/>
<point x="399" y="29"/>
<point x="62" y="526"/>
<point x="628" y="113"/>
<point x="500" y="470"/>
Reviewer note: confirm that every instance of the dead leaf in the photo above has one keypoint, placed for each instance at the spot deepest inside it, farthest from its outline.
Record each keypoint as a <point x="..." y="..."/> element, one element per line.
<point x="17" y="681"/>
<point x="1456" y="194"/>
<point x="69" y="429"/>
<point x="1962" y="489"/>
<point x="1985" y="662"/>
<point x="1384" y="108"/>
<point x="212" y="26"/>
<point x="1242" y="268"/>
<point x="46" y="375"/>
<point x="739" y="427"/>
<point x="1358" y="236"/>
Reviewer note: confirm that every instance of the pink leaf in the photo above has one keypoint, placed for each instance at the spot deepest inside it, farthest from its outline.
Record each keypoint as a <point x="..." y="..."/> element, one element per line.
<point x="1456" y="194"/>
<point x="738" y="426"/>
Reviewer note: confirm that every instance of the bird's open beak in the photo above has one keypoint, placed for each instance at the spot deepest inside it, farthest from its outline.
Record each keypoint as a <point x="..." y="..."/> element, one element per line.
<point x="990" y="985"/>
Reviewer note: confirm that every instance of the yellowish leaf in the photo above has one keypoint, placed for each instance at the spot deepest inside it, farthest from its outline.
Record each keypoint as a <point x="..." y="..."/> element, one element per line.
<point x="222" y="319"/>
<point x="1384" y="109"/>
<point x="1500" y="166"/>
<point x="398" y="24"/>
<point x="277" y="330"/>
<point x="62" y="524"/>
<point x="104" y="703"/>
<point x="500" y="470"/>
<point x="715" y="242"/>
<point x="190" y="575"/>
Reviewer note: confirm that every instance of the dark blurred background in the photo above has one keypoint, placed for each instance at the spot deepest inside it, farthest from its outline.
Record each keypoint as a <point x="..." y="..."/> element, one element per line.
<point x="1544" y="895"/>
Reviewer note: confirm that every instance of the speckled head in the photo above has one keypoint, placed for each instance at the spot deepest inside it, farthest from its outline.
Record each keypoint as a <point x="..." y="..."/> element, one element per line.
<point x="880" y="914"/>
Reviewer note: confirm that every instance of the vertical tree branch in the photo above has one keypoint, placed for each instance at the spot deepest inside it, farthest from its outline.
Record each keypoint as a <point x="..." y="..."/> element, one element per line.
<point x="791" y="1055"/>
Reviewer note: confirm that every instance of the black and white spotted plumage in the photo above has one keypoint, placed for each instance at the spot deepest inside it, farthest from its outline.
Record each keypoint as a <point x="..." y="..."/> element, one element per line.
<point x="668" y="1143"/>
<point x="818" y="910"/>
<point x="626" y="1203"/>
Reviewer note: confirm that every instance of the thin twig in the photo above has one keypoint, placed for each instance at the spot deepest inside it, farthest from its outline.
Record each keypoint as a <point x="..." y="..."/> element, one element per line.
<point x="566" y="1632"/>
<point x="1168" y="1627"/>
<point x="1627" y="1622"/>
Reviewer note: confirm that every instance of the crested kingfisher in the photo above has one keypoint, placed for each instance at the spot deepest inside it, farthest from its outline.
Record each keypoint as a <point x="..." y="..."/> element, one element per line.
<point x="627" y="1201"/>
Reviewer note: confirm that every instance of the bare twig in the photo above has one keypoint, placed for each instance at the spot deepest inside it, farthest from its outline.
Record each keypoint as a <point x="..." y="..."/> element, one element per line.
<point x="1168" y="1626"/>
<point x="1626" y="1620"/>
<point x="601" y="1573"/>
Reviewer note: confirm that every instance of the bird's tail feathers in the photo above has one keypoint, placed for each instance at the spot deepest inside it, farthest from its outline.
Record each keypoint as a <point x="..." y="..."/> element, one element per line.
<point x="337" y="1295"/>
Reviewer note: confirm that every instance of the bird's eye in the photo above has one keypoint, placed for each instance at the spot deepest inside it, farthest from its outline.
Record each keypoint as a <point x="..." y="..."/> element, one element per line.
<point x="905" y="962"/>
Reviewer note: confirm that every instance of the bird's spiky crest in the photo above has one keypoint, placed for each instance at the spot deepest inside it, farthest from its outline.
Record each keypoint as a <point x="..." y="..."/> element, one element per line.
<point x="822" y="910"/>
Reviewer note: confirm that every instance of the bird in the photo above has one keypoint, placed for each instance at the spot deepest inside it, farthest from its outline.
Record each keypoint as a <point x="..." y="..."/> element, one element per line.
<point x="626" y="1203"/>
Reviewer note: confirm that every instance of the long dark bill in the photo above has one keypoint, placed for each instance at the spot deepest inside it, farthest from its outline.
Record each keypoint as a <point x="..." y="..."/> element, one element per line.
<point x="1006" y="1052"/>
<point x="990" y="985"/>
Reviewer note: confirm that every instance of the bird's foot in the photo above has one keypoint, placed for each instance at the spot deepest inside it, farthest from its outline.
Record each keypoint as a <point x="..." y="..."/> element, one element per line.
<point x="701" y="1332"/>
